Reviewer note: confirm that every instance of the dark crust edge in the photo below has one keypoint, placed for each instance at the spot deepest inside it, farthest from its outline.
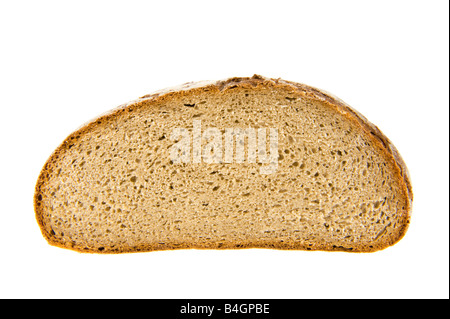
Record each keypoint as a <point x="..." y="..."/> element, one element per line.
<point x="238" y="82"/>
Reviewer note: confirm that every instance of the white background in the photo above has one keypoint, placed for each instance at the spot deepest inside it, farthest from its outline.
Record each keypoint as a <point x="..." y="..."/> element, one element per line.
<point x="63" y="63"/>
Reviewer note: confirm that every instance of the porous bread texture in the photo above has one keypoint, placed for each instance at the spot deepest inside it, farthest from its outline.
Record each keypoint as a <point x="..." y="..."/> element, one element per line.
<point x="111" y="186"/>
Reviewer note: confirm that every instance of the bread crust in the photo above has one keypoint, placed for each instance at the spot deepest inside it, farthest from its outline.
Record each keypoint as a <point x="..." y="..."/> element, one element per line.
<point x="215" y="87"/>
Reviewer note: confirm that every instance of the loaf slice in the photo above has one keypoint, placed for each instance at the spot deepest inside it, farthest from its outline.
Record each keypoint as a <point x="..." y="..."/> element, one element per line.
<point x="240" y="163"/>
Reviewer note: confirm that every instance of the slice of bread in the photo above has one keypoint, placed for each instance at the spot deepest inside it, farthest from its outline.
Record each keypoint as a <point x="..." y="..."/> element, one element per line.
<point x="240" y="163"/>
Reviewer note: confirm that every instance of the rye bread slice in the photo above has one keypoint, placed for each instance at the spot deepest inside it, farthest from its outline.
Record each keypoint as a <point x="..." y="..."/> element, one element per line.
<point x="321" y="176"/>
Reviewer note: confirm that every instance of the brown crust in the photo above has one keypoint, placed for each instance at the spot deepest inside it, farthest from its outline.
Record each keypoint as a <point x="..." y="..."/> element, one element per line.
<point x="215" y="87"/>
